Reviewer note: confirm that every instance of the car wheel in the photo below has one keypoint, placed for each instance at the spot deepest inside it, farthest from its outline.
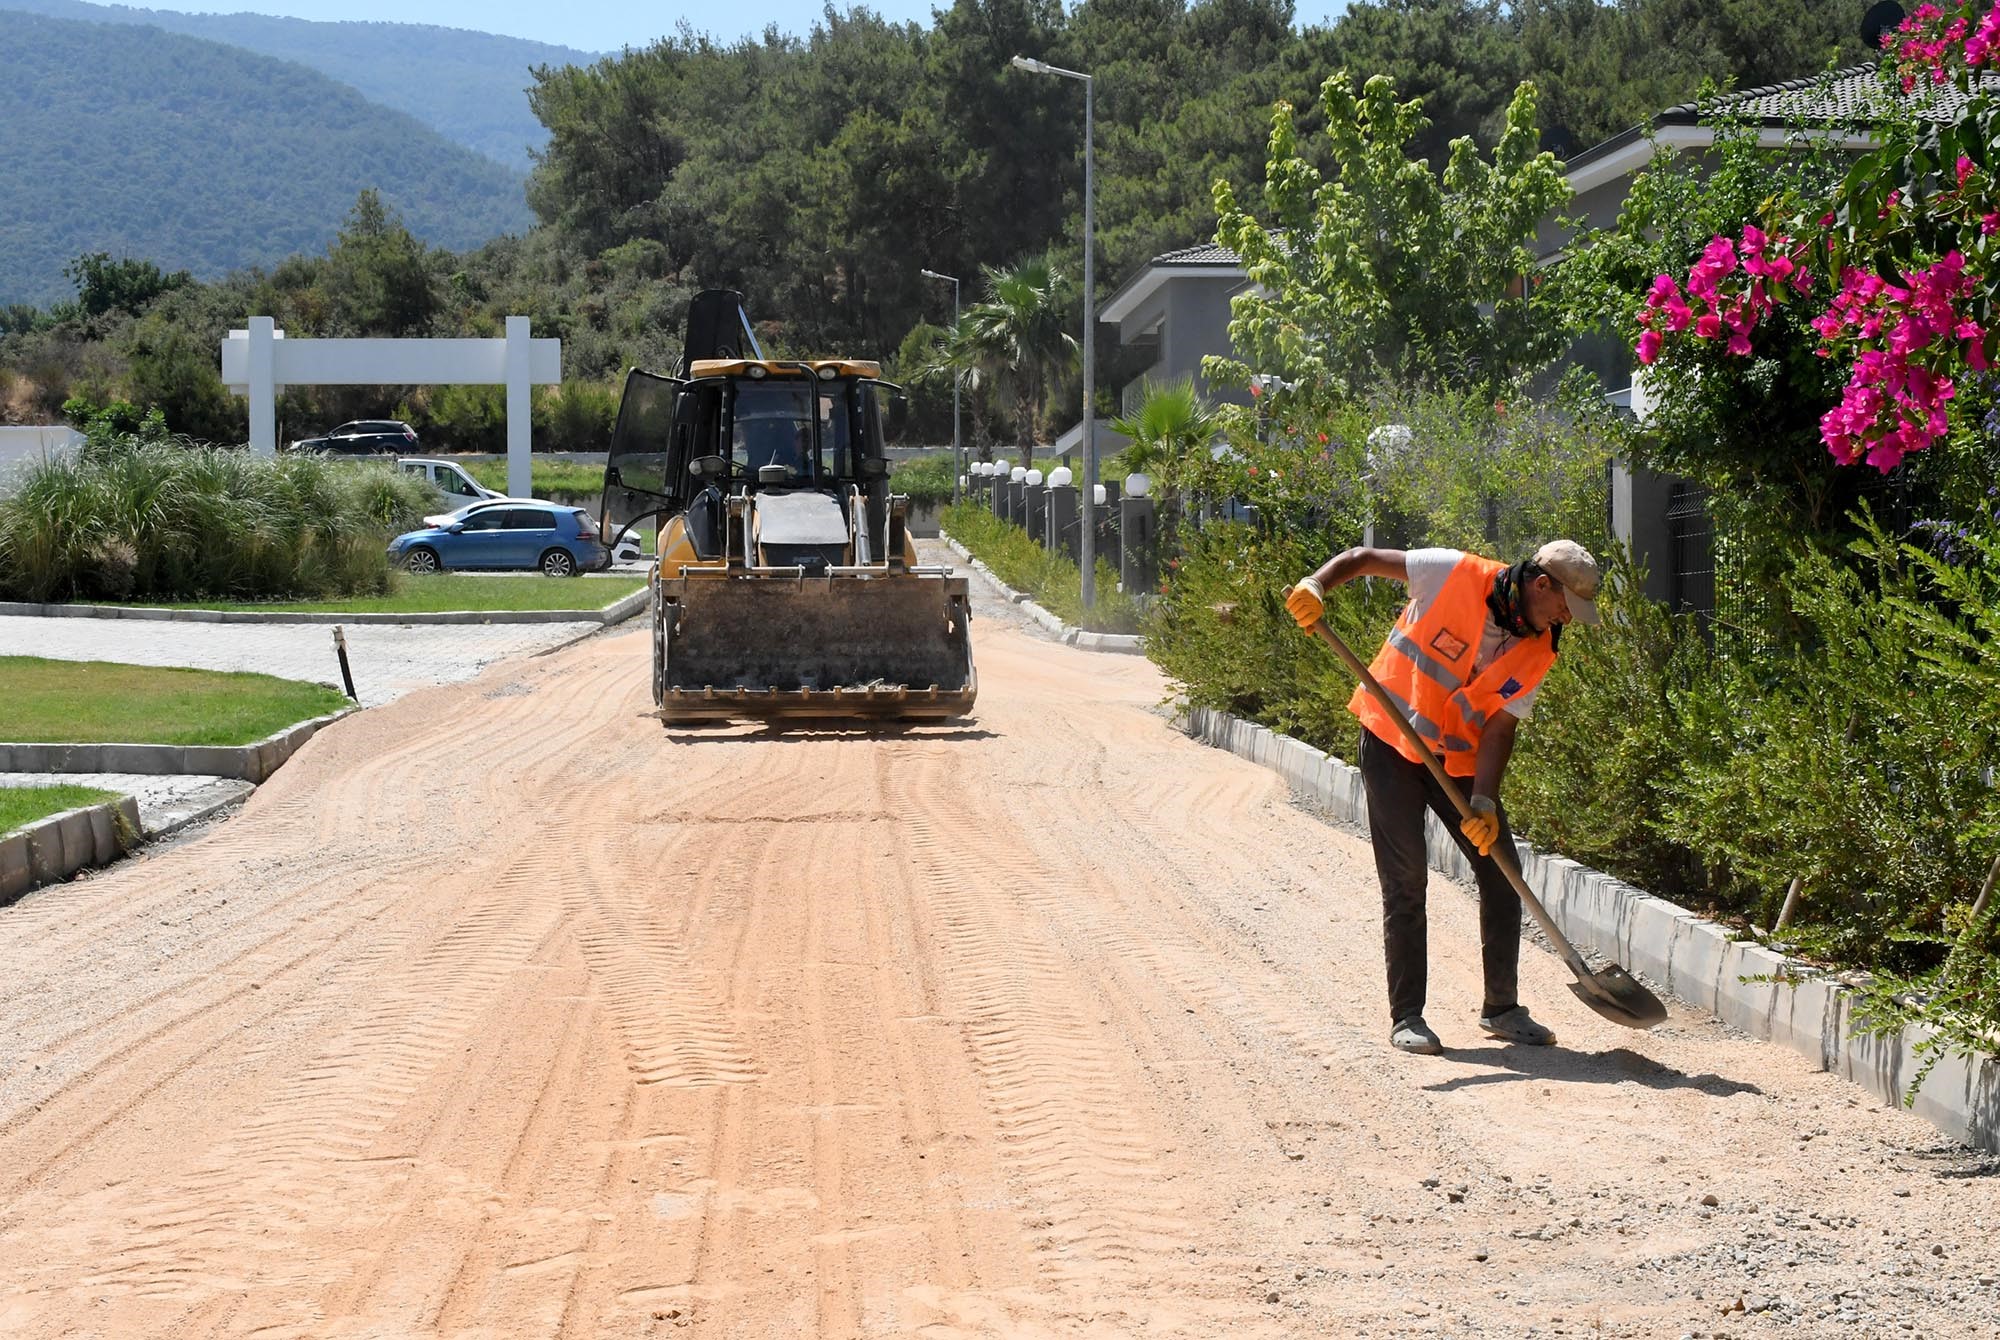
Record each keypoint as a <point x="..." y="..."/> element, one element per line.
<point x="422" y="559"/>
<point x="558" y="563"/>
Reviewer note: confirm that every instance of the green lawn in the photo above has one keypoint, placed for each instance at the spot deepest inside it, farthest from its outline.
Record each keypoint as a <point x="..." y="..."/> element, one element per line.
<point x="546" y="478"/>
<point x="23" y="805"/>
<point x="98" y="702"/>
<point x="447" y="591"/>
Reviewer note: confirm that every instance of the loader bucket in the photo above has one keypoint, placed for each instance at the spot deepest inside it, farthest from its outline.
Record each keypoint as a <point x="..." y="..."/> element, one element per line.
<point x="894" y="645"/>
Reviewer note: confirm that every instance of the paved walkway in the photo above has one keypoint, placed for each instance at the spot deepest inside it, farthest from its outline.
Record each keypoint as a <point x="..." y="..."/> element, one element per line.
<point x="388" y="660"/>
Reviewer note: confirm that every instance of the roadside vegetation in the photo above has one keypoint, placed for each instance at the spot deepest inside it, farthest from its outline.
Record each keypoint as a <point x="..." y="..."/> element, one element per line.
<point x="139" y="515"/>
<point x="1830" y="720"/>
<point x="102" y="702"/>
<point x="1053" y="581"/>
<point x="928" y="480"/>
<point x="24" y="805"/>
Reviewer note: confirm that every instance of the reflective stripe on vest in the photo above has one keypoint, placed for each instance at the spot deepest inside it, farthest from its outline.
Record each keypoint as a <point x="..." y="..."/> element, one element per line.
<point x="1425" y="666"/>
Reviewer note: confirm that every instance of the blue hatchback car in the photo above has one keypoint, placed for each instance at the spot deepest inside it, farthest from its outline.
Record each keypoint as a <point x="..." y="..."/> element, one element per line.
<point x="560" y="541"/>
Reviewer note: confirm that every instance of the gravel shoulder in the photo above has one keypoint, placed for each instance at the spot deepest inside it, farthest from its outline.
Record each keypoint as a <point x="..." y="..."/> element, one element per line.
<point x="500" y="1011"/>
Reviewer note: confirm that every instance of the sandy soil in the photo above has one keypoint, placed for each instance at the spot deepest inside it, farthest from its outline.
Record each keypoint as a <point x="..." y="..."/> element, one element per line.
<point x="499" y="1014"/>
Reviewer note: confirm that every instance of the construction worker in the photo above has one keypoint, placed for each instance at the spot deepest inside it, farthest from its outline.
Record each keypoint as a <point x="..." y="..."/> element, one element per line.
<point x="1463" y="660"/>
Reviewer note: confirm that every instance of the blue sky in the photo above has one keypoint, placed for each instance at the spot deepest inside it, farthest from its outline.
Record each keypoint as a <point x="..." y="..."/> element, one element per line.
<point x="592" y="25"/>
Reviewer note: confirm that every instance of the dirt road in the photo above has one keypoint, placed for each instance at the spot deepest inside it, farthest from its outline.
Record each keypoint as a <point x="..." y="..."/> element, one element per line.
<point x="496" y="1014"/>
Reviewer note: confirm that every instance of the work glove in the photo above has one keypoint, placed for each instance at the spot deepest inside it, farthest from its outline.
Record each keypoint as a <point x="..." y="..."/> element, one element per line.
<point x="1306" y="603"/>
<point x="1482" y="826"/>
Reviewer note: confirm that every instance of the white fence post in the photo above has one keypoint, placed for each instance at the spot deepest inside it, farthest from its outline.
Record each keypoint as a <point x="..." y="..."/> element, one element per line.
<point x="263" y="387"/>
<point x="520" y="421"/>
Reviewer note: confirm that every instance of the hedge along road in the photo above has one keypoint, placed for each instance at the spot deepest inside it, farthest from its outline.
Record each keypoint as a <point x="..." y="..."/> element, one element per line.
<point x="495" y="1013"/>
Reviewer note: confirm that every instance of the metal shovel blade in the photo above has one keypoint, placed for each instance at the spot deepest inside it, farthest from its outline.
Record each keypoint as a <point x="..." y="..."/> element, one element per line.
<point x="1620" y="997"/>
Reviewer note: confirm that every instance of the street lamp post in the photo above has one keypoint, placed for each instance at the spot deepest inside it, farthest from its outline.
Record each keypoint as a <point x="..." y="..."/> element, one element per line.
<point x="957" y="446"/>
<point x="1088" y="547"/>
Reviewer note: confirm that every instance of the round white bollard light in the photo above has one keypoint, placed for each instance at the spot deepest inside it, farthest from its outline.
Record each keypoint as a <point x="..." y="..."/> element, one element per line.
<point x="1137" y="485"/>
<point x="1034" y="477"/>
<point x="1018" y="473"/>
<point x="1001" y="466"/>
<point x="963" y="483"/>
<point x="1059" y="477"/>
<point x="1097" y="494"/>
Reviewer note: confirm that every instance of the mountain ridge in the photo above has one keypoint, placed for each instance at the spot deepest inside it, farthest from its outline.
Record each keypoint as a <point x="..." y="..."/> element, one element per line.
<point x="203" y="156"/>
<point x="469" y="86"/>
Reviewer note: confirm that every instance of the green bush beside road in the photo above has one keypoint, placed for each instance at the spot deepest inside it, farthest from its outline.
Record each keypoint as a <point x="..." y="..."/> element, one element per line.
<point x="926" y="479"/>
<point x="1052" y="580"/>
<point x="145" y="517"/>
<point x="102" y="702"/>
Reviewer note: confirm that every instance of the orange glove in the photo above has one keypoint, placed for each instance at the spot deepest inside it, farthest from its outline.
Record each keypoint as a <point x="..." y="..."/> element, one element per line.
<point x="1482" y="829"/>
<point x="1306" y="603"/>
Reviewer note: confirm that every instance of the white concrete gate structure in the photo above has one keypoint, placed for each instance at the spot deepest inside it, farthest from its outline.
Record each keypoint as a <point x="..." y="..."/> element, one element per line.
<point x="259" y="361"/>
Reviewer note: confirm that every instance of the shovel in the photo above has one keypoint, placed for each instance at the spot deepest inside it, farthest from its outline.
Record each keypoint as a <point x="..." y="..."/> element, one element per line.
<point x="1611" y="991"/>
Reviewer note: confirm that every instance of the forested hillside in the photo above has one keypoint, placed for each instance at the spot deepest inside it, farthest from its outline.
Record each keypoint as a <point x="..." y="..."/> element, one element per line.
<point x="469" y="87"/>
<point x="820" y="173"/>
<point x="205" y="157"/>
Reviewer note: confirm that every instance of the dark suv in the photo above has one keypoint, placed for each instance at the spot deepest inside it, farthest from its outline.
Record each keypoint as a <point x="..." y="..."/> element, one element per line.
<point x="364" y="437"/>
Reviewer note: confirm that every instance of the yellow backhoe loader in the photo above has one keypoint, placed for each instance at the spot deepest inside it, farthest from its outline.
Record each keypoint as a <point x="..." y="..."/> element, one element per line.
<point x="787" y="583"/>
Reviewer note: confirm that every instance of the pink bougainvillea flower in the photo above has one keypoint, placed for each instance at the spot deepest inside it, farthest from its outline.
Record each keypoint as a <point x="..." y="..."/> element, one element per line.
<point x="1649" y="347"/>
<point x="1965" y="170"/>
<point x="1707" y="326"/>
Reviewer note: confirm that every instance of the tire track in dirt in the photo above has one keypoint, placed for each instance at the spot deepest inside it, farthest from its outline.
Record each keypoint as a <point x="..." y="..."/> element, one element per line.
<point x="1097" y="1206"/>
<point x="526" y="1018"/>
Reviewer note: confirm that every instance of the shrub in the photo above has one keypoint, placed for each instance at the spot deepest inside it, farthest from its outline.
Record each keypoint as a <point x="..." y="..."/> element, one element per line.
<point x="576" y="416"/>
<point x="1054" y="581"/>
<point x="1607" y="745"/>
<point x="927" y="479"/>
<point x="161" y="520"/>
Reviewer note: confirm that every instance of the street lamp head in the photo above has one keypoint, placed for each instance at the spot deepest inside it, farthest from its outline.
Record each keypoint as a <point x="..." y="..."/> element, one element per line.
<point x="1030" y="64"/>
<point x="933" y="274"/>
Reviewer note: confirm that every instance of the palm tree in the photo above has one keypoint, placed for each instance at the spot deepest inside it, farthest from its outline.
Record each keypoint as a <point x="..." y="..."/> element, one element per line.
<point x="1018" y="339"/>
<point x="1170" y="432"/>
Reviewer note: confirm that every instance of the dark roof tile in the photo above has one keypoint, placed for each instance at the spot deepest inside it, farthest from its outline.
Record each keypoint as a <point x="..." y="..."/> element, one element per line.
<point x="1843" y="97"/>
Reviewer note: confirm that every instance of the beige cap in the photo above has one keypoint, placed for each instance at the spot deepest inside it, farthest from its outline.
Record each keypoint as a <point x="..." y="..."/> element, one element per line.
<point x="1571" y="564"/>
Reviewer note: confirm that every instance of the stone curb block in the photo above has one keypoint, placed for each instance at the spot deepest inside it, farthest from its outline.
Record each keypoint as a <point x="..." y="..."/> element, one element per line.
<point x="62" y="844"/>
<point x="1695" y="960"/>
<point x="245" y="762"/>
<point x="1128" y="644"/>
<point x="616" y="612"/>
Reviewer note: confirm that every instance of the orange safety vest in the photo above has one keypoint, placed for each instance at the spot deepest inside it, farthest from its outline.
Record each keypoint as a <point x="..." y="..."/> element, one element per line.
<point x="1426" y="665"/>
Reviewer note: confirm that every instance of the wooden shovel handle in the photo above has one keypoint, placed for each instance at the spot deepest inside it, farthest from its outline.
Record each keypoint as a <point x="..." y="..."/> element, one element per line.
<point x="1500" y="855"/>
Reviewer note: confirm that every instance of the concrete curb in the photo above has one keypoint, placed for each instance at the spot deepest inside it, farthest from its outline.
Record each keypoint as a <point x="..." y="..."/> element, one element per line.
<point x="62" y="844"/>
<point x="245" y="762"/>
<point x="616" y="612"/>
<point x="1128" y="644"/>
<point x="1695" y="960"/>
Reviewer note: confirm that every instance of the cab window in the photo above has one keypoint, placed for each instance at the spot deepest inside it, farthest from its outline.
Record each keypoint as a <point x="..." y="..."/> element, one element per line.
<point x="771" y="424"/>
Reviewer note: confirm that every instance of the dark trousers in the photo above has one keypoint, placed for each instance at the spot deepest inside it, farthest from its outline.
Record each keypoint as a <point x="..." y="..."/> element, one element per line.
<point x="1398" y="793"/>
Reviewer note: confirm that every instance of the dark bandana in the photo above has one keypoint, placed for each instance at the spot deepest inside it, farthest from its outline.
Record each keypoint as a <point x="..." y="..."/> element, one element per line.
<point x="1507" y="607"/>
